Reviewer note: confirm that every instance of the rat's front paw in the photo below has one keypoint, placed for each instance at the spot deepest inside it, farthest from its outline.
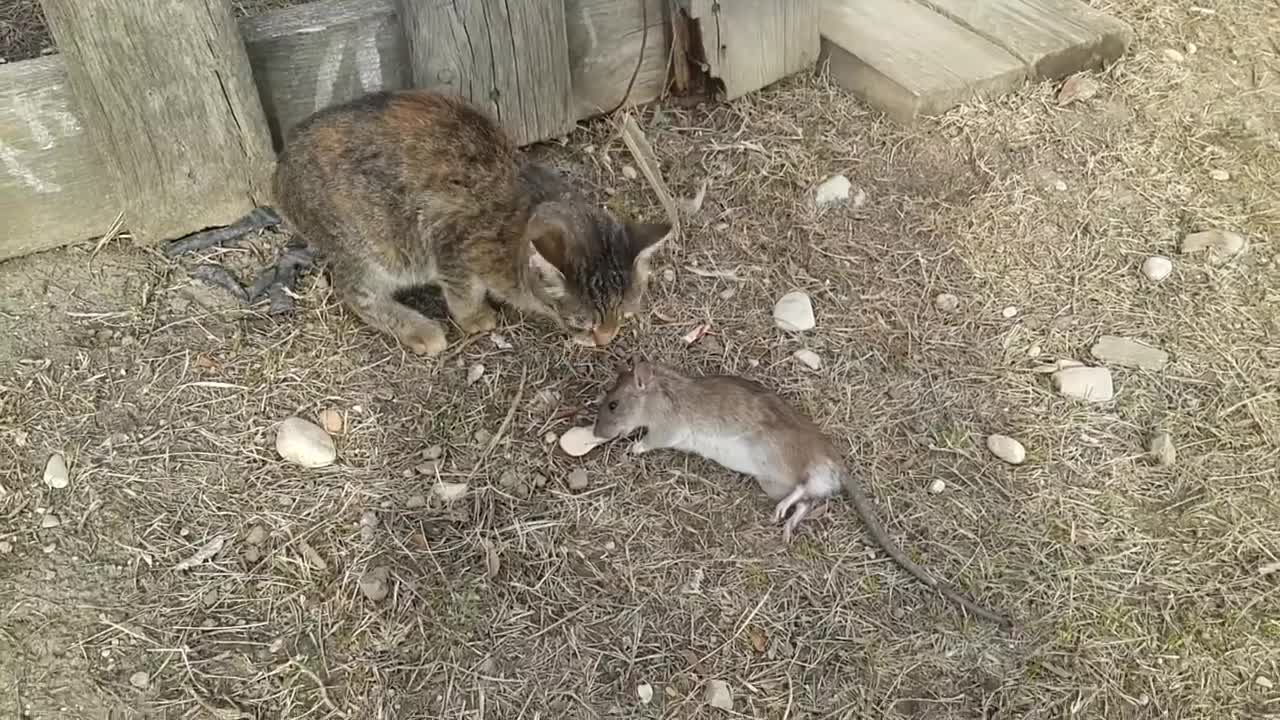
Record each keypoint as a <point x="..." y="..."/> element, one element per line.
<point x="639" y="448"/>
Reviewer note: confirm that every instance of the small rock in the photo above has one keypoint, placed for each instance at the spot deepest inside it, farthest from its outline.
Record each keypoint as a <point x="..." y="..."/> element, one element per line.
<point x="251" y="554"/>
<point x="305" y="443"/>
<point x="832" y="191"/>
<point x="629" y="172"/>
<point x="50" y="520"/>
<point x="483" y="437"/>
<point x="1060" y="185"/>
<point x="1034" y="351"/>
<point x="509" y="479"/>
<point x="809" y="358"/>
<point x="1009" y="313"/>
<point x="1264" y="682"/>
<point x="449" y="491"/>
<point x="257" y="535"/>
<point x="1222" y="245"/>
<point x="728" y="293"/>
<point x="435" y="452"/>
<point x="539" y="480"/>
<point x="1077" y="88"/>
<point x="6" y="547"/>
<point x="368" y="525"/>
<point x="669" y="275"/>
<point x="1173" y="55"/>
<point x="644" y="691"/>
<point x="415" y="501"/>
<point x="1219" y="175"/>
<point x="1157" y="268"/>
<point x="937" y="486"/>
<point x="578" y="480"/>
<point x="374" y="583"/>
<point x="859" y="198"/>
<point x="474" y="373"/>
<point x="1160" y="448"/>
<point x="140" y="680"/>
<point x="946" y="302"/>
<point x="718" y="695"/>
<point x="55" y="472"/>
<point x="1092" y="384"/>
<point x="1007" y="449"/>
<point x="430" y="467"/>
<point x="331" y="420"/>
<point x="1129" y="353"/>
<point x="794" y="312"/>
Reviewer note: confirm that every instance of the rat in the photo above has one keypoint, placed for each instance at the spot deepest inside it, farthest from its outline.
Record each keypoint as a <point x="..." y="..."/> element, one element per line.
<point x="745" y="427"/>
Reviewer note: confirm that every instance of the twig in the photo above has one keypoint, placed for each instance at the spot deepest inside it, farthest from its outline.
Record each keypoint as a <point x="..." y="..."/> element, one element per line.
<point x="640" y="149"/>
<point x="506" y="423"/>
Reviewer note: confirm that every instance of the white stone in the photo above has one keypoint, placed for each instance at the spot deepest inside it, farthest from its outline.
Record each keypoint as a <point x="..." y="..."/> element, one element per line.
<point x="1173" y="55"/>
<point x="55" y="472"/>
<point x="1161" y="449"/>
<point x="140" y="680"/>
<point x="1157" y="268"/>
<point x="1219" y="175"/>
<point x="50" y="520"/>
<point x="6" y="547"/>
<point x="1220" y="245"/>
<point x="579" y="441"/>
<point x="1092" y="384"/>
<point x="578" y="480"/>
<point x="1009" y="312"/>
<point x="1034" y="351"/>
<point x="794" y="312"/>
<point x="718" y="695"/>
<point x="644" y="691"/>
<point x="809" y="358"/>
<point x="859" y="198"/>
<point x="629" y="172"/>
<point x="946" y="302"/>
<point x="449" y="491"/>
<point x="1007" y="449"/>
<point x="832" y="191"/>
<point x="257" y="535"/>
<point x="474" y="373"/>
<point x="937" y="486"/>
<point x="1128" y="352"/>
<point x="375" y="583"/>
<point x="304" y="443"/>
<point x="1264" y="682"/>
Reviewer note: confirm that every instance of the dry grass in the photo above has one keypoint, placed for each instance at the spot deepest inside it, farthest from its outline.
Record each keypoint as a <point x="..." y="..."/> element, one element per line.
<point x="1139" y="586"/>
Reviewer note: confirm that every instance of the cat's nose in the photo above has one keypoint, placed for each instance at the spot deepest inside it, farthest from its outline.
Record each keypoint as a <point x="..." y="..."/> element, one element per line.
<point x="604" y="334"/>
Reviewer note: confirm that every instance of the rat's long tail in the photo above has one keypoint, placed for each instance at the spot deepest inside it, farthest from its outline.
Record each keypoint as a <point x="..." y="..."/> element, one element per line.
<point x="867" y="512"/>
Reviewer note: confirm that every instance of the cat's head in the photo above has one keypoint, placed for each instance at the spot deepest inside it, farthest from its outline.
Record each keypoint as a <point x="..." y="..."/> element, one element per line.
<point x="589" y="268"/>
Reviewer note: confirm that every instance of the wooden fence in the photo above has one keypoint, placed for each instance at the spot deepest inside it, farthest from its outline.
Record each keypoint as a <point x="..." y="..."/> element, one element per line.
<point x="170" y="111"/>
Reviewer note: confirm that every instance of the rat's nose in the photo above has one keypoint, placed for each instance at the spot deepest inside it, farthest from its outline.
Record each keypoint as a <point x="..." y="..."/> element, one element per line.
<point x="604" y="334"/>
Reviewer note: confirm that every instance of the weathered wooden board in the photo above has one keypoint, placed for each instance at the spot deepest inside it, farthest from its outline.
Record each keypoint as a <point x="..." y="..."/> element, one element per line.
<point x="1055" y="38"/>
<point x="605" y="37"/>
<point x="166" y="93"/>
<point x="510" y="58"/>
<point x="908" y="61"/>
<point x="749" y="44"/>
<point x="53" y="188"/>
<point x="307" y="57"/>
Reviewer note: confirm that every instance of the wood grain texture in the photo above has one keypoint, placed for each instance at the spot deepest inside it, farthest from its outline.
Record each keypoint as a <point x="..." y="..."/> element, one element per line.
<point x="907" y="60"/>
<point x="307" y="57"/>
<point x="605" y="37"/>
<point x="509" y="57"/>
<point x="749" y="44"/>
<point x="53" y="188"/>
<point x="1055" y="38"/>
<point x="166" y="93"/>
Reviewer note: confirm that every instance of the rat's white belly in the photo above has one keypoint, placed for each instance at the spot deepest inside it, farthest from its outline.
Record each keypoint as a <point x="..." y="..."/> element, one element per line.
<point x="740" y="452"/>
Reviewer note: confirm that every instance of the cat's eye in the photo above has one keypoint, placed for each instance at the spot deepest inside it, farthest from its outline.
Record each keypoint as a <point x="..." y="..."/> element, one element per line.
<point x="613" y="406"/>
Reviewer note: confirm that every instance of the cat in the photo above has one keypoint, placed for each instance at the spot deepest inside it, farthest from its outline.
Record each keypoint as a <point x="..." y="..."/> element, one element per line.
<point x="401" y="189"/>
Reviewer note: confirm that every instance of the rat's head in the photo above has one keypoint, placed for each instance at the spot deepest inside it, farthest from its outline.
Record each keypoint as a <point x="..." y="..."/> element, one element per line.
<point x="589" y="268"/>
<point x="628" y="404"/>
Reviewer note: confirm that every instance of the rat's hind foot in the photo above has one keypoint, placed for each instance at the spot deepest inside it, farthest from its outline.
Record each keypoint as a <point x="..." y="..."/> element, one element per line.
<point x="786" y="503"/>
<point x="798" y="514"/>
<point x="257" y="219"/>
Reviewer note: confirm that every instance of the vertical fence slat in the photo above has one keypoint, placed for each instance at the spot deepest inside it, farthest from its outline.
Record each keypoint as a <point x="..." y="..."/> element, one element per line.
<point x="166" y="93"/>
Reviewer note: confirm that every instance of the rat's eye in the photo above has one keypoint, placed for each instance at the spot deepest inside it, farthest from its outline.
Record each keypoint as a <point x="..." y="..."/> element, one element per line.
<point x="613" y="406"/>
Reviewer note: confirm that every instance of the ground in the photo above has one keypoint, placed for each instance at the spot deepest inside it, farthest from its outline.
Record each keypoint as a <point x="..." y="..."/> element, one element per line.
<point x="1143" y="590"/>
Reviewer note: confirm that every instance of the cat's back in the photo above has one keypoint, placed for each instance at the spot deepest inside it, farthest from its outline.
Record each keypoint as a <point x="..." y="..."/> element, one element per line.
<point x="398" y="142"/>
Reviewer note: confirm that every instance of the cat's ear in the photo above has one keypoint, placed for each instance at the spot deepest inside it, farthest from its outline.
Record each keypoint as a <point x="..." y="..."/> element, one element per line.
<point x="547" y="254"/>
<point x="646" y="238"/>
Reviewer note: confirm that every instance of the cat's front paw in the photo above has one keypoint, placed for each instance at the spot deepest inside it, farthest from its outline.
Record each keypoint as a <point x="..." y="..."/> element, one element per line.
<point x="639" y="448"/>
<point x="425" y="339"/>
<point x="481" y="321"/>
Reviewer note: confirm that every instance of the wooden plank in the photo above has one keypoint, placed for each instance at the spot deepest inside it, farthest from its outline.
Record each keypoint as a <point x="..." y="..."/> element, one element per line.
<point x="166" y="93"/>
<point x="749" y="44"/>
<point x="907" y="60"/>
<point x="605" y="37"/>
<point x="510" y="58"/>
<point x="307" y="57"/>
<point x="1055" y="38"/>
<point x="53" y="188"/>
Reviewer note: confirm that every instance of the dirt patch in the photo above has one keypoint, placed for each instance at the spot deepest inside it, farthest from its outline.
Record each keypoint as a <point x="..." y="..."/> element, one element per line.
<point x="1141" y="587"/>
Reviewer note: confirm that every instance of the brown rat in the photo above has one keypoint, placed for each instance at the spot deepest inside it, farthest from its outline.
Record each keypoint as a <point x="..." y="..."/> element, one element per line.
<point x="748" y="428"/>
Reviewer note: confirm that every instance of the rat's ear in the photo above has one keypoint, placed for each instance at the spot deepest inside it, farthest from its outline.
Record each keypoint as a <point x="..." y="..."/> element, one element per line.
<point x="547" y="254"/>
<point x="643" y="373"/>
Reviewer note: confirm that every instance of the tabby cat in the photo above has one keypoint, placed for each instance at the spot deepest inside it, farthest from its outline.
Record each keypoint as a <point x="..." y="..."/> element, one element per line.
<point x="397" y="190"/>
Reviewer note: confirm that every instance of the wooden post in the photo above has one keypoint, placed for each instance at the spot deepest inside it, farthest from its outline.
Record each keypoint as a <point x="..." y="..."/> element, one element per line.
<point x="509" y="58"/>
<point x="749" y="44"/>
<point x="166" y="94"/>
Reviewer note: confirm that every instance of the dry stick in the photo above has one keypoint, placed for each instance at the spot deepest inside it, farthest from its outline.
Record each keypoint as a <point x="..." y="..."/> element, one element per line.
<point x="506" y="422"/>
<point x="640" y="149"/>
